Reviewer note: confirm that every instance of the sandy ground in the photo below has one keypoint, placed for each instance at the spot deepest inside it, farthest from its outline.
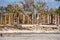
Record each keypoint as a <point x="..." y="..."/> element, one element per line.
<point x="32" y="36"/>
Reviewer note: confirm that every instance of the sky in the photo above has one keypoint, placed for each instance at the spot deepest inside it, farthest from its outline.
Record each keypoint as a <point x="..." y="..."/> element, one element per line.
<point x="6" y="2"/>
<point x="51" y="3"/>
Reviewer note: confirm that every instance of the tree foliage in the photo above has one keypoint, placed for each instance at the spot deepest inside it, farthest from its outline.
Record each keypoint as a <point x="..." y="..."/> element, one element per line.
<point x="58" y="11"/>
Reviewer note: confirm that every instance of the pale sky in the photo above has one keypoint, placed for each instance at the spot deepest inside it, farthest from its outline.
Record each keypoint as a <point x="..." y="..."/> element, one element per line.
<point x="50" y="3"/>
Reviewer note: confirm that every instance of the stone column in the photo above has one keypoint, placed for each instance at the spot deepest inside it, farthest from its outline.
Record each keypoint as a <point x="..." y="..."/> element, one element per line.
<point x="38" y="19"/>
<point x="32" y="19"/>
<point x="23" y="19"/>
<point x="55" y="19"/>
<point x="58" y="19"/>
<point x="48" y="19"/>
<point x="44" y="19"/>
<point x="1" y="18"/>
<point x="18" y="19"/>
<point x="9" y="19"/>
<point x="13" y="18"/>
<point x="5" y="19"/>
<point x="28" y="19"/>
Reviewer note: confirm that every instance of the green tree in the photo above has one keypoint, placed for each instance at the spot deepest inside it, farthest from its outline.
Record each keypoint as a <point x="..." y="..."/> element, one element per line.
<point x="58" y="11"/>
<point x="10" y="8"/>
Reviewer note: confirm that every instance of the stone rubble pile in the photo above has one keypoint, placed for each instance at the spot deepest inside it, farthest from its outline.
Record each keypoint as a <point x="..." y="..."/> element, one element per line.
<point x="31" y="28"/>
